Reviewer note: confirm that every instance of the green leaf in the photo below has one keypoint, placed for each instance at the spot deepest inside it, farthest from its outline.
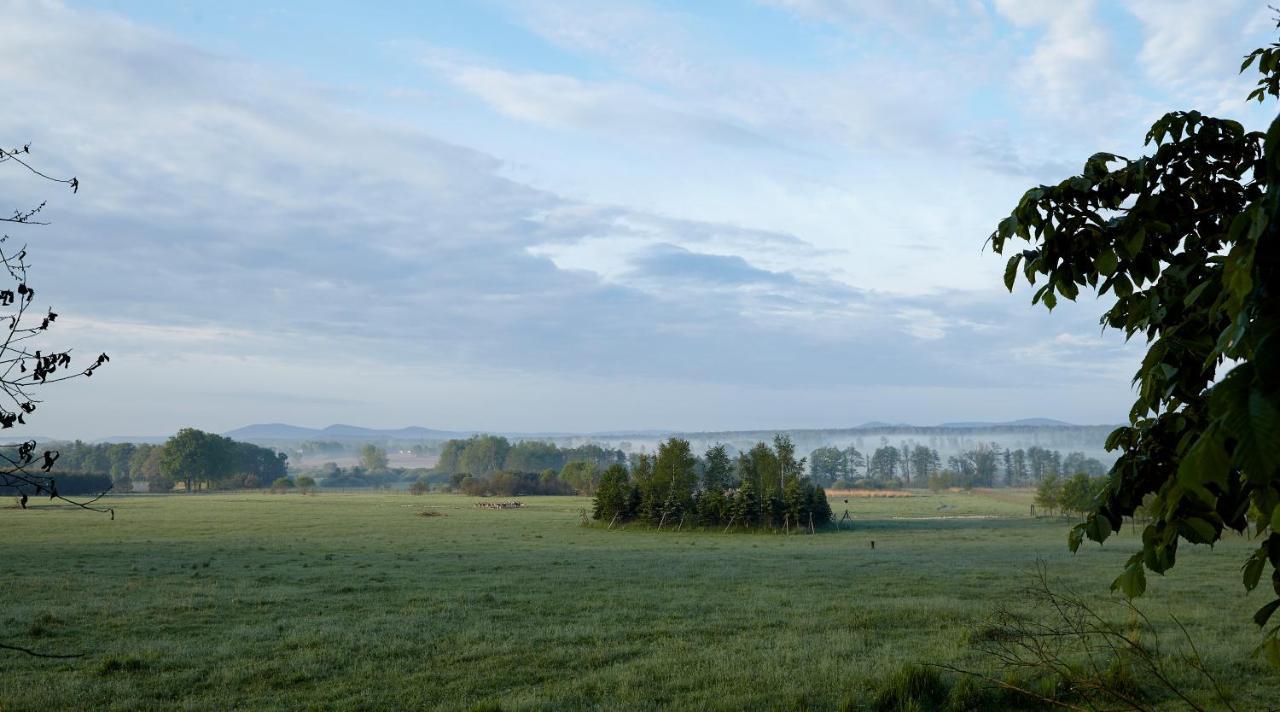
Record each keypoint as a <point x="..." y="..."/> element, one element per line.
<point x="1270" y="649"/>
<point x="1252" y="419"/>
<point x="1075" y="537"/>
<point x="1132" y="583"/>
<point x="1206" y="461"/>
<point x="1197" y="530"/>
<point x="1195" y="294"/>
<point x="1079" y="183"/>
<point x="1264" y="613"/>
<point x="1068" y="289"/>
<point x="1097" y="528"/>
<point x="1134" y="242"/>
<point x="1253" y="571"/>
<point x="1107" y="263"/>
<point x="1011" y="271"/>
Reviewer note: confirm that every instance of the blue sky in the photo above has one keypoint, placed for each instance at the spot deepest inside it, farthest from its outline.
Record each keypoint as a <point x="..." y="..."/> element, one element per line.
<point x="571" y="215"/>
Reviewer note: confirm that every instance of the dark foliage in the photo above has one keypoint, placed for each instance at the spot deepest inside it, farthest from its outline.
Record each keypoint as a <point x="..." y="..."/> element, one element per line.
<point x="664" y="490"/>
<point x="511" y="484"/>
<point x="1188" y="242"/>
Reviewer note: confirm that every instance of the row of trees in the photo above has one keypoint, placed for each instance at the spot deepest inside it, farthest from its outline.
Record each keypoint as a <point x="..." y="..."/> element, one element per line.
<point x="763" y="487"/>
<point x="192" y="457"/>
<point x="987" y="465"/>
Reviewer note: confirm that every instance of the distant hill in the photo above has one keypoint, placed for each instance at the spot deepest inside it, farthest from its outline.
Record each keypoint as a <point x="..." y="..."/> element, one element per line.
<point x="286" y="432"/>
<point x="1025" y="422"/>
<point x="272" y="431"/>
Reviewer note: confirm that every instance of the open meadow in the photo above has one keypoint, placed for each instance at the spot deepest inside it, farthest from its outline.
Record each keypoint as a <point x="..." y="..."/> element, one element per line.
<point x="360" y="601"/>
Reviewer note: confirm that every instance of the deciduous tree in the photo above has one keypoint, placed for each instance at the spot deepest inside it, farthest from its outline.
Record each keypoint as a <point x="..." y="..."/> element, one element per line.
<point x="29" y="366"/>
<point x="374" y="458"/>
<point x="1187" y="241"/>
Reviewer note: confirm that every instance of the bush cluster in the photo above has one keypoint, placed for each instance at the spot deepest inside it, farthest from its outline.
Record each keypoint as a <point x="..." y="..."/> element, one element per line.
<point x="511" y="484"/>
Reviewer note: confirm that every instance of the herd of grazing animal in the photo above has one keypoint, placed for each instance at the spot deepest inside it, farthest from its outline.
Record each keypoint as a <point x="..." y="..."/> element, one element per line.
<point x="499" y="505"/>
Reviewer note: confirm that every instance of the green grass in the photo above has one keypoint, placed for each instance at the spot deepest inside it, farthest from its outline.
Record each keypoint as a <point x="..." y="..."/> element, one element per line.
<point x="356" y="601"/>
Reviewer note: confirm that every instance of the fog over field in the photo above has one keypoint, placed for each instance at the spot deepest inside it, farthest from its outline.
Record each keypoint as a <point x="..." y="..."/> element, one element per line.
<point x="948" y="439"/>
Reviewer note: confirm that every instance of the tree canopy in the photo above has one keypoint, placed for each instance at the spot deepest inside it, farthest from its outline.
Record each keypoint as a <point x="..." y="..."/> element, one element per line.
<point x="193" y="456"/>
<point x="1186" y="240"/>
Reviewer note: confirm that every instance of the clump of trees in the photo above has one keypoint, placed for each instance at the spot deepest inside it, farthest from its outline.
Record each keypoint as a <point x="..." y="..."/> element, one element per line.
<point x="492" y="462"/>
<point x="1074" y="495"/>
<point x="765" y="487"/>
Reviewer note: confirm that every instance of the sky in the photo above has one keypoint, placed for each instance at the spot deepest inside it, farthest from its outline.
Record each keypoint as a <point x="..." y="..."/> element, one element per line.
<point x="537" y="215"/>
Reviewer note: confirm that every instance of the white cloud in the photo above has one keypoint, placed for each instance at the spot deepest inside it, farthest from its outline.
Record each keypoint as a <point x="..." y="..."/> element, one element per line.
<point x="906" y="17"/>
<point x="1071" y="69"/>
<point x="241" y="230"/>
<point x="1183" y="38"/>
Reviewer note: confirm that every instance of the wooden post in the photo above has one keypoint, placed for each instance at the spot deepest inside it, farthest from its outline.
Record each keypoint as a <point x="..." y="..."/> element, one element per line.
<point x="681" y="524"/>
<point x="662" y="521"/>
<point x="726" y="529"/>
<point x="811" y="523"/>
<point x="615" y="520"/>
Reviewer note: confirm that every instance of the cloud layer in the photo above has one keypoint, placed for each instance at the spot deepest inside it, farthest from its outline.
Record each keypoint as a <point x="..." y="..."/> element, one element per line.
<point x="692" y="236"/>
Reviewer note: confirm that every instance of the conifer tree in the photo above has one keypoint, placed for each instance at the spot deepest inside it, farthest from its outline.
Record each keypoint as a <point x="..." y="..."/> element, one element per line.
<point x="612" y="494"/>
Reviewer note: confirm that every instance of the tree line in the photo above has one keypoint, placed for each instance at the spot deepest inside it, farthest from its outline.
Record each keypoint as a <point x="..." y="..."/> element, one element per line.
<point x="762" y="487"/>
<point x="911" y="464"/>
<point x="193" y="458"/>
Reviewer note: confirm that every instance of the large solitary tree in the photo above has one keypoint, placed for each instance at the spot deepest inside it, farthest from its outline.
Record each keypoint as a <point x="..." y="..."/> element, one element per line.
<point x="193" y="456"/>
<point x="1186" y="240"/>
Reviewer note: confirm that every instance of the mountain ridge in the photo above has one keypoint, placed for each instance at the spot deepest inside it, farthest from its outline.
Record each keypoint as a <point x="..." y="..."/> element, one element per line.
<point x="346" y="432"/>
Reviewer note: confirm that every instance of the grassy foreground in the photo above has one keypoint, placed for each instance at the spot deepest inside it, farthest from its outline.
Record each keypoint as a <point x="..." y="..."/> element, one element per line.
<point x="357" y="601"/>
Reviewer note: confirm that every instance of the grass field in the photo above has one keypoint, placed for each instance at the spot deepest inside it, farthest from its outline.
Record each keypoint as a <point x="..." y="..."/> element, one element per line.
<point x="357" y="601"/>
